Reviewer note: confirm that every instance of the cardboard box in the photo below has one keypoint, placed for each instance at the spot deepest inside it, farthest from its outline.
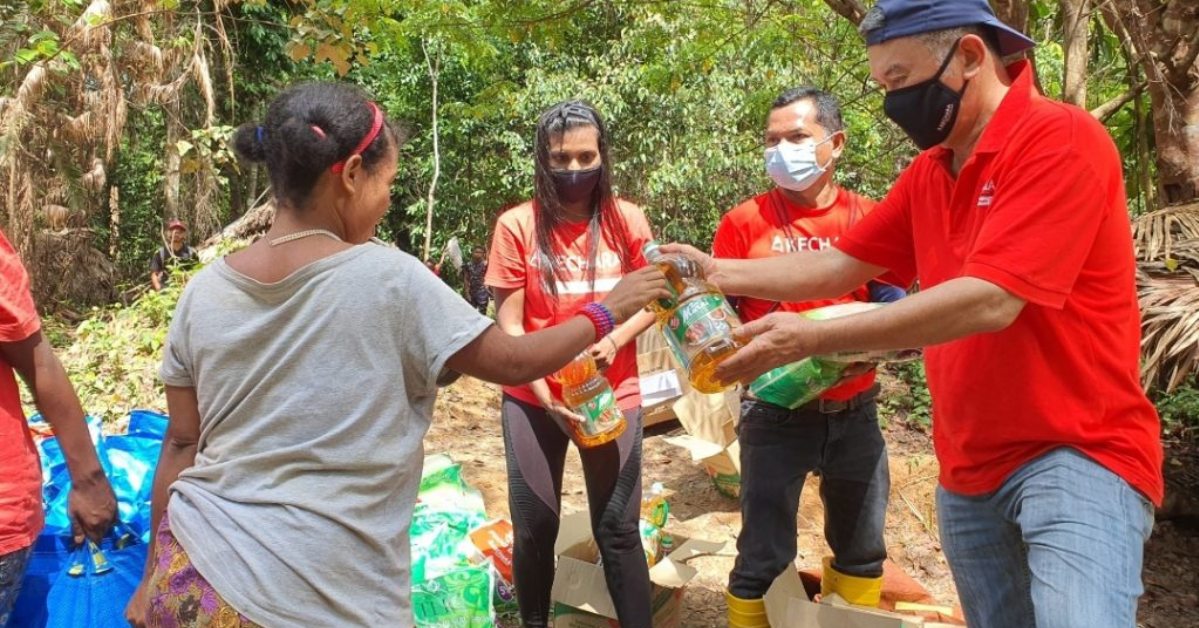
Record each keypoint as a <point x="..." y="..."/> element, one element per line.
<point x="787" y="605"/>
<point x="711" y="425"/>
<point x="663" y="381"/>
<point x="580" y="594"/>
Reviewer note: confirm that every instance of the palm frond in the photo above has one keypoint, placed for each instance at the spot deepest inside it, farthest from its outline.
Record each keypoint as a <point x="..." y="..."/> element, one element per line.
<point x="1170" y="329"/>
<point x="1160" y="235"/>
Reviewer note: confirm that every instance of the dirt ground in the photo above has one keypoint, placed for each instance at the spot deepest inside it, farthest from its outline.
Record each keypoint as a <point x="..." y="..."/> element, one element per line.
<point x="466" y="426"/>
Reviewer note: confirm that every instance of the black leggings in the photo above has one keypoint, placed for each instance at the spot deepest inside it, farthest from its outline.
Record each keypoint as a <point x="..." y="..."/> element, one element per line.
<point x="535" y="445"/>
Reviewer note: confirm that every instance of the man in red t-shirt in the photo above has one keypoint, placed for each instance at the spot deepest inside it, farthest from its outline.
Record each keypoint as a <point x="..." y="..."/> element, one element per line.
<point x="92" y="505"/>
<point x="1014" y="220"/>
<point x="836" y="435"/>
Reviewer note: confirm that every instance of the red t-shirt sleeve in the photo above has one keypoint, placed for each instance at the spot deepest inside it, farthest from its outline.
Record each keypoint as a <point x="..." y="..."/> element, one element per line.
<point x="883" y="237"/>
<point x="509" y="250"/>
<point x="18" y="316"/>
<point x="728" y="243"/>
<point x="1040" y="229"/>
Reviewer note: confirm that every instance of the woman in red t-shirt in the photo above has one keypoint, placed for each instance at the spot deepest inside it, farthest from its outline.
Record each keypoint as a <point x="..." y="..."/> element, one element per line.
<point x="550" y="256"/>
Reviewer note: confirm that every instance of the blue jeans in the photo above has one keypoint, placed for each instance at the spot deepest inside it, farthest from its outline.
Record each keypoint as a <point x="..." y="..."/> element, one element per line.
<point x="779" y="448"/>
<point x="1059" y="545"/>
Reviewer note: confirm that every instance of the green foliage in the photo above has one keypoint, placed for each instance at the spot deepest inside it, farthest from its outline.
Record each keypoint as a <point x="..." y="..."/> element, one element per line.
<point x="138" y="173"/>
<point x="115" y="358"/>
<point x="910" y="403"/>
<point x="114" y="355"/>
<point x="43" y="45"/>
<point x="262" y="69"/>
<point x="685" y="91"/>
<point x="685" y="88"/>
<point x="207" y="148"/>
<point x="1179" y="412"/>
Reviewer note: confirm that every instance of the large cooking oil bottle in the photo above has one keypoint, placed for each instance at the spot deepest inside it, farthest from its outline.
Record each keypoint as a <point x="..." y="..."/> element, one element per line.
<point x="697" y="320"/>
<point x="587" y="393"/>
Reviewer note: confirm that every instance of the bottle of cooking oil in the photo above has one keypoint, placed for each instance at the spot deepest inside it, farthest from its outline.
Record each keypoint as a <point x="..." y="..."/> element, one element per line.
<point x="587" y="393"/>
<point x="654" y="507"/>
<point x="696" y="320"/>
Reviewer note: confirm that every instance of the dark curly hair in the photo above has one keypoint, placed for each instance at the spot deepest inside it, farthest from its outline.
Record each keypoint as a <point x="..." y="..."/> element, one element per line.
<point x="308" y="128"/>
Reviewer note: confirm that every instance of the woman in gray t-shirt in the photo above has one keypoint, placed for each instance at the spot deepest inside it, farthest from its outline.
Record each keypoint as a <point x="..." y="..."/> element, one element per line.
<point x="301" y="374"/>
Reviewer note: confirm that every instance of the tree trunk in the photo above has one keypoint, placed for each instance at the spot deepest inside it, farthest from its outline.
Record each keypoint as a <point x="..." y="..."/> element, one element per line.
<point x="1014" y="13"/>
<point x="1076" y="15"/>
<point x="236" y="184"/>
<point x="1165" y="41"/>
<point x="434" y="65"/>
<point x="1148" y="190"/>
<point x="252" y="197"/>
<point x="1176" y="134"/>
<point x="172" y="179"/>
<point x="114" y="222"/>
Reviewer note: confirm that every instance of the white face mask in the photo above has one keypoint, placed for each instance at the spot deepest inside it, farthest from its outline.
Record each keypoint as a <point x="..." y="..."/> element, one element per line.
<point x="794" y="166"/>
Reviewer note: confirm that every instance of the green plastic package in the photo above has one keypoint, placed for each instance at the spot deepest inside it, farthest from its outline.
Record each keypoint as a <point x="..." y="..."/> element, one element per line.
<point x="792" y="385"/>
<point x="447" y="590"/>
<point x="456" y="599"/>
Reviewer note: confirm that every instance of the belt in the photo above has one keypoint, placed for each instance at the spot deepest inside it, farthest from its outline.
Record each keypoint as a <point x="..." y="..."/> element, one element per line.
<point x="830" y="406"/>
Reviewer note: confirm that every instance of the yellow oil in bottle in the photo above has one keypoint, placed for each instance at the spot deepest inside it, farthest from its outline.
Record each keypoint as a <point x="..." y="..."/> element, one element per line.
<point x="588" y="393"/>
<point x="703" y="366"/>
<point x="696" y="320"/>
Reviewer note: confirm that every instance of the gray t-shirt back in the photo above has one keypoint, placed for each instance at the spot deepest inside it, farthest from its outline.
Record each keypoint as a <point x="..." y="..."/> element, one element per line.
<point x="315" y="394"/>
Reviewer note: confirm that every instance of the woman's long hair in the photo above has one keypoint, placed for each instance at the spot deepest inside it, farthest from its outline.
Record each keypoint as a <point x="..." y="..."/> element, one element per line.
<point x="606" y="220"/>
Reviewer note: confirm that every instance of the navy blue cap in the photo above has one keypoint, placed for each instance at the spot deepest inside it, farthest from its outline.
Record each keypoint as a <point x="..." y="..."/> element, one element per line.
<point x="892" y="19"/>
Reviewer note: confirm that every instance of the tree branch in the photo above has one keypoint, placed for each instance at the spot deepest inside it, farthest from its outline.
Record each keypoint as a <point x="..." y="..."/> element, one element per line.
<point x="851" y="10"/>
<point x="1109" y="108"/>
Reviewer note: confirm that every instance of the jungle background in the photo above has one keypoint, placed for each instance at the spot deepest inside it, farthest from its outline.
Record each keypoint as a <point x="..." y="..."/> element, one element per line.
<point x="117" y="115"/>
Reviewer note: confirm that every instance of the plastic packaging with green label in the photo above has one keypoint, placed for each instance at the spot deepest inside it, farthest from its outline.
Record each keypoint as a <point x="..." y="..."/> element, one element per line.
<point x="793" y="385"/>
<point x="447" y="590"/>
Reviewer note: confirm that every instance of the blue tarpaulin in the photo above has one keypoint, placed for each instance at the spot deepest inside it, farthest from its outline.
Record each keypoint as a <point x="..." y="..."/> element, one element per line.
<point x="51" y="596"/>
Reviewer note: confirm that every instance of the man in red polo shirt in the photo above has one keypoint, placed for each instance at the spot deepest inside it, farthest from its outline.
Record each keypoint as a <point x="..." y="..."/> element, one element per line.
<point x="837" y="435"/>
<point x="91" y="504"/>
<point x="1014" y="221"/>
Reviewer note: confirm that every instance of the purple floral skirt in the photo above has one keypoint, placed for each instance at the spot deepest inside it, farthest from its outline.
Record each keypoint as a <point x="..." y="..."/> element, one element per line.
<point x="179" y="596"/>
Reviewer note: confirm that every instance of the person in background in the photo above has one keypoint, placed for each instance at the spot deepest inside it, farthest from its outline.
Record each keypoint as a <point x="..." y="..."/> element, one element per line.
<point x="474" y="274"/>
<point x="176" y="253"/>
<point x="570" y="244"/>
<point x="92" y="506"/>
<point x="837" y="435"/>
<point x="301" y="374"/>
<point x="435" y="267"/>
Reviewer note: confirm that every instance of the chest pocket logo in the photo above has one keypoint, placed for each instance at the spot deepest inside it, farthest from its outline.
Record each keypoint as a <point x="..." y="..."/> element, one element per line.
<point x="988" y="193"/>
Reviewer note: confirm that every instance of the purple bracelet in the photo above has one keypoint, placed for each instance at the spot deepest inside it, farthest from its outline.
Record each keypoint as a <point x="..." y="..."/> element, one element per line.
<point x="601" y="317"/>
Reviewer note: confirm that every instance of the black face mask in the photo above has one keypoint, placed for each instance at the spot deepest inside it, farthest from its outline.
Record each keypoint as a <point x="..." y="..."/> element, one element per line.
<point x="576" y="185"/>
<point x="927" y="110"/>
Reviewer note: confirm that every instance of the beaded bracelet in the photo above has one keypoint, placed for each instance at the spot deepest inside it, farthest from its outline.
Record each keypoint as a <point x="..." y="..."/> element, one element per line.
<point x="601" y="317"/>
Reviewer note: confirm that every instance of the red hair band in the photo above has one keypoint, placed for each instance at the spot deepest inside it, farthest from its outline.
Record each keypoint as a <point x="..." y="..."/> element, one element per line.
<point x="376" y="126"/>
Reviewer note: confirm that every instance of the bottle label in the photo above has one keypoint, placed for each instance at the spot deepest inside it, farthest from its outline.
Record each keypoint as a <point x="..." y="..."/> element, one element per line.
<point x="698" y="322"/>
<point x="601" y="413"/>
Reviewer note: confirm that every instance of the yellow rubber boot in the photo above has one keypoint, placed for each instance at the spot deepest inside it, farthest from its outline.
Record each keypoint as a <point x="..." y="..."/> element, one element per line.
<point x="746" y="613"/>
<point x="853" y="589"/>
